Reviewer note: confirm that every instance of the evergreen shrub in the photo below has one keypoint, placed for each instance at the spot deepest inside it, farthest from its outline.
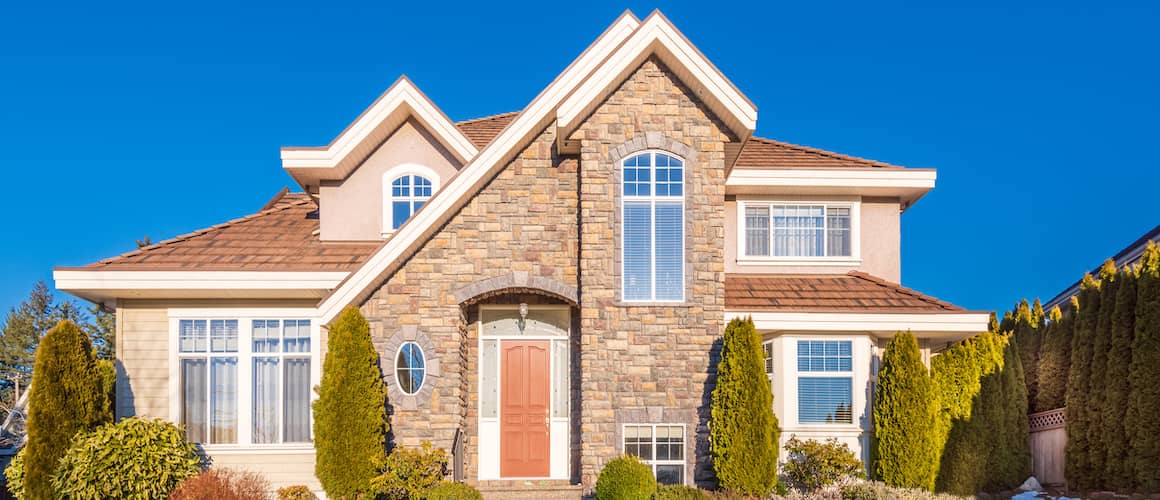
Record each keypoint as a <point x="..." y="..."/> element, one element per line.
<point x="296" y="492"/>
<point x="904" y="416"/>
<point x="1078" y="465"/>
<point x="811" y="465"/>
<point x="410" y="472"/>
<point x="625" y="478"/>
<point x="450" y="490"/>
<point x="679" y="492"/>
<point x="1141" y="422"/>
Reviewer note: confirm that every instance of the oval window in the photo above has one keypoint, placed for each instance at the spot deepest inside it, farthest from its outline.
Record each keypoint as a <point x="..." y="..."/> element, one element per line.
<point x="410" y="368"/>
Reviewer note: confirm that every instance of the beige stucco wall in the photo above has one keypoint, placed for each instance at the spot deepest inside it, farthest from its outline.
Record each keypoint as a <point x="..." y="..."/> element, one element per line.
<point x="880" y="239"/>
<point x="352" y="209"/>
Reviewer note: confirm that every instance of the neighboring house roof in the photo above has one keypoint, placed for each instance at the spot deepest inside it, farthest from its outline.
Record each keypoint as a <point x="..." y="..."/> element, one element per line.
<point x="282" y="237"/>
<point x="852" y="292"/>
<point x="1126" y="257"/>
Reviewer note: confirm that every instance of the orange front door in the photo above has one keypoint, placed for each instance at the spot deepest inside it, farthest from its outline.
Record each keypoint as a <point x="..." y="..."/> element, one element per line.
<point x="524" y="379"/>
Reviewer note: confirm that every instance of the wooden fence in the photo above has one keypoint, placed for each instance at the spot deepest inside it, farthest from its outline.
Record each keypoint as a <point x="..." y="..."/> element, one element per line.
<point x="1048" y="442"/>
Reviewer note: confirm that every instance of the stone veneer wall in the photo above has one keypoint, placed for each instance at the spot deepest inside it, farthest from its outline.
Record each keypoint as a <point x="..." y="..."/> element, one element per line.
<point x="640" y="361"/>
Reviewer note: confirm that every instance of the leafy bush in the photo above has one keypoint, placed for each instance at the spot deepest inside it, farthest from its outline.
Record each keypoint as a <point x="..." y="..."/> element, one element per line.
<point x="134" y="458"/>
<point x="451" y="490"/>
<point x="410" y="472"/>
<point x="222" y="484"/>
<point x="68" y="396"/>
<point x="625" y="478"/>
<point x="14" y="473"/>
<point x="350" y="416"/>
<point x="904" y="417"/>
<point x="880" y="491"/>
<point x="679" y="492"/>
<point x="813" y="464"/>
<point x="743" y="437"/>
<point x="297" y="492"/>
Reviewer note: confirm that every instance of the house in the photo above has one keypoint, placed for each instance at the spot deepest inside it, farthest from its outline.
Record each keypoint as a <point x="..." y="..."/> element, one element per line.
<point x="1128" y="256"/>
<point x="547" y="288"/>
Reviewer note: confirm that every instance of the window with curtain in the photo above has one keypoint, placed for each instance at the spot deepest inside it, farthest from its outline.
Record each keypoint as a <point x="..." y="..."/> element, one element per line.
<point x="661" y="446"/>
<point x="825" y="381"/>
<point x="208" y="354"/>
<point x="652" y="227"/>
<point x="281" y="378"/>
<point x="408" y="194"/>
<point x="797" y="230"/>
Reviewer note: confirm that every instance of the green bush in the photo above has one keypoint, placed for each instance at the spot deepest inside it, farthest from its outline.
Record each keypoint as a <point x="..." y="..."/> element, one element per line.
<point x="134" y="458"/>
<point x="1029" y="323"/>
<point x="1054" y="359"/>
<point x="350" y="419"/>
<point x="1011" y="449"/>
<point x="223" y="484"/>
<point x="1097" y="444"/>
<point x="905" y="451"/>
<point x="296" y="492"/>
<point x="625" y="478"/>
<point x="1116" y="384"/>
<point x="450" y="490"/>
<point x="679" y="492"/>
<point x="811" y="464"/>
<point x="1078" y="465"/>
<point x="743" y="437"/>
<point x="1142" y="424"/>
<point x="410" y="472"/>
<point x="14" y="473"/>
<point x="880" y="491"/>
<point x="68" y="396"/>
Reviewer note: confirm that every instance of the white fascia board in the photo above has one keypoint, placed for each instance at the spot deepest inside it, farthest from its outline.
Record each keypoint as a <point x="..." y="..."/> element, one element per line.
<point x="959" y="322"/>
<point x="402" y="97"/>
<point x="68" y="280"/>
<point x="478" y="169"/>
<point x="657" y="30"/>
<point x="911" y="178"/>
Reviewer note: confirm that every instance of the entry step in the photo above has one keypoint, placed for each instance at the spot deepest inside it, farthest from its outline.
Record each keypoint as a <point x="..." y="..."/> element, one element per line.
<point x="530" y="490"/>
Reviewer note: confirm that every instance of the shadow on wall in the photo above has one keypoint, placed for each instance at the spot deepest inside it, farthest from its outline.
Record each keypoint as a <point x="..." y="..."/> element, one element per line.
<point x="703" y="473"/>
<point x="123" y="391"/>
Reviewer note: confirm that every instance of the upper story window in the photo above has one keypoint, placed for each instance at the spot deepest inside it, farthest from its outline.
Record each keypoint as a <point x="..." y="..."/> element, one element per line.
<point x="653" y="227"/>
<point x="798" y="230"/>
<point x="825" y="381"/>
<point x="408" y="194"/>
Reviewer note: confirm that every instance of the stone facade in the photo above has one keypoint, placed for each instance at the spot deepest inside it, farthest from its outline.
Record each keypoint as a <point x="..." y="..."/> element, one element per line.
<point x="545" y="230"/>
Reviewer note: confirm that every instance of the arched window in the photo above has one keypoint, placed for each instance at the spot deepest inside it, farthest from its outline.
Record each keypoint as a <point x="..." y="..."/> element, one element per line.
<point x="410" y="368"/>
<point x="407" y="194"/>
<point x="653" y="227"/>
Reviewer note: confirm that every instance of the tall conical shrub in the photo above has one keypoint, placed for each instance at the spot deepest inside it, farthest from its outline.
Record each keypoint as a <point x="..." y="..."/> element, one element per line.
<point x="905" y="452"/>
<point x="1012" y="449"/>
<point x="1054" y="359"/>
<point x="350" y="419"/>
<point x="68" y="396"/>
<point x="1078" y="464"/>
<point x="1141" y="422"/>
<point x="1028" y="320"/>
<point x="744" y="434"/>
<point x="1097" y="445"/>
<point x="1116" y="384"/>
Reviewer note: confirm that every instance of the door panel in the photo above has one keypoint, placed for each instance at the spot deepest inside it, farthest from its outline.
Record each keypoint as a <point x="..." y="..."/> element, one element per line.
<point x="524" y="393"/>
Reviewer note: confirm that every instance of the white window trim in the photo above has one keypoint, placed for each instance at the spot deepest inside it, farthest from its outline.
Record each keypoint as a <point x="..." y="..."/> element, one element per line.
<point x="768" y="344"/>
<point x="854" y="259"/>
<point x="652" y="200"/>
<point x="395" y="367"/>
<point x="245" y="355"/>
<point x="654" y="463"/>
<point x="852" y="375"/>
<point x="394" y="173"/>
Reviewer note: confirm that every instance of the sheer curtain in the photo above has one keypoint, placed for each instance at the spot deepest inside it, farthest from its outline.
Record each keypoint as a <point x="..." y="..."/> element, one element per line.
<point x="194" y="391"/>
<point x="296" y="404"/>
<point x="757" y="231"/>
<point x="224" y="400"/>
<point x="265" y="400"/>
<point x="799" y="230"/>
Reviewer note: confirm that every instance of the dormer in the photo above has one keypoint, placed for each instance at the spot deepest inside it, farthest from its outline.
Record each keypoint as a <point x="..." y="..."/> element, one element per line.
<point x="382" y="168"/>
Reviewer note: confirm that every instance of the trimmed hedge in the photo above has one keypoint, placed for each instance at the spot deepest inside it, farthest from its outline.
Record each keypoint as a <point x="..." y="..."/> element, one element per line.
<point x="350" y="415"/>
<point x="744" y="435"/>
<point x="625" y="478"/>
<point x="905" y="451"/>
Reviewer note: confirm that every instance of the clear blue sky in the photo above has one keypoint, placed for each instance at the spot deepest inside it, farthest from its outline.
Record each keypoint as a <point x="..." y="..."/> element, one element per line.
<point x="123" y="120"/>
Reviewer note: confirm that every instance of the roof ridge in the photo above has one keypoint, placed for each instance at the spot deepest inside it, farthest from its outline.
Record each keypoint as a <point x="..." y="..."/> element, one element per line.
<point x="902" y="289"/>
<point x="278" y="207"/>
<point x="488" y="117"/>
<point x="824" y="152"/>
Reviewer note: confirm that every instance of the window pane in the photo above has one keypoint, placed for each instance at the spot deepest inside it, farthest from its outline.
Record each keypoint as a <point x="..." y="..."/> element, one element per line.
<point x="838" y="231"/>
<point x="670" y="443"/>
<point x="825" y="356"/>
<point x="265" y="400"/>
<point x="422" y="187"/>
<point x="488" y="386"/>
<point x="638" y="441"/>
<point x="400" y="212"/>
<point x="767" y="353"/>
<point x="193" y="335"/>
<point x="296" y="402"/>
<point x="560" y="383"/>
<point x="825" y="400"/>
<point x="223" y="335"/>
<point x="798" y="231"/>
<point x="296" y="335"/>
<point x="670" y="251"/>
<point x="194" y="399"/>
<point x="224" y="400"/>
<point x="757" y="231"/>
<point x="671" y="474"/>
<point x="410" y="368"/>
<point x="401" y="187"/>
<point x="265" y="335"/>
<point x="637" y="251"/>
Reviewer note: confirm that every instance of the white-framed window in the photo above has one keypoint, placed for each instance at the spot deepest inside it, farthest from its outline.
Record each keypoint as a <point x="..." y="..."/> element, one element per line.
<point x="243" y="379"/>
<point x="773" y="230"/>
<point x="825" y="381"/>
<point x="406" y="189"/>
<point x="410" y="368"/>
<point x="653" y="227"/>
<point x="661" y="446"/>
<point x="767" y="358"/>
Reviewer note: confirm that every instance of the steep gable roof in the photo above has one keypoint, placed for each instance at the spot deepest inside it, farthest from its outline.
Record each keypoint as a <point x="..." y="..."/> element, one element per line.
<point x="481" y="131"/>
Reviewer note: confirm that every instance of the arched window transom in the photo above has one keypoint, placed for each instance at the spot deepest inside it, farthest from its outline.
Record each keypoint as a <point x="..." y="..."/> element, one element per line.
<point x="408" y="194"/>
<point x="410" y="368"/>
<point x="653" y="227"/>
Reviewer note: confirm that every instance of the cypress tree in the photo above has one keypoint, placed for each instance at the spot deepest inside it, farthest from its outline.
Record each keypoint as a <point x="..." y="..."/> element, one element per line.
<point x="1054" y="359"/>
<point x="1116" y="385"/>
<point x="1078" y="465"/>
<point x="744" y="435"/>
<point x="1141" y="422"/>
<point x="1027" y="322"/>
<point x="350" y="419"/>
<point x="904" y="417"/>
<point x="68" y="396"/>
<point x="1013" y="448"/>
<point x="1097" y="441"/>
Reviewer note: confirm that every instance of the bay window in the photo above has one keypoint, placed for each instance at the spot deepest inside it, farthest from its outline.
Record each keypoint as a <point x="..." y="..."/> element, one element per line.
<point x="653" y="227"/>
<point x="797" y="230"/>
<point x="825" y="381"/>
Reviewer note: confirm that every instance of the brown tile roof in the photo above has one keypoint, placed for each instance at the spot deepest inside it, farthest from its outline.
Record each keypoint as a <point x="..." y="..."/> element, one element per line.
<point x="281" y="237"/>
<point x="852" y="292"/>
<point x="480" y="131"/>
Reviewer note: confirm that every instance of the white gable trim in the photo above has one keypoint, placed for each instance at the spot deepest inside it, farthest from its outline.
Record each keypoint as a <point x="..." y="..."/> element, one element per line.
<point x="479" y="169"/>
<point x="658" y="35"/>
